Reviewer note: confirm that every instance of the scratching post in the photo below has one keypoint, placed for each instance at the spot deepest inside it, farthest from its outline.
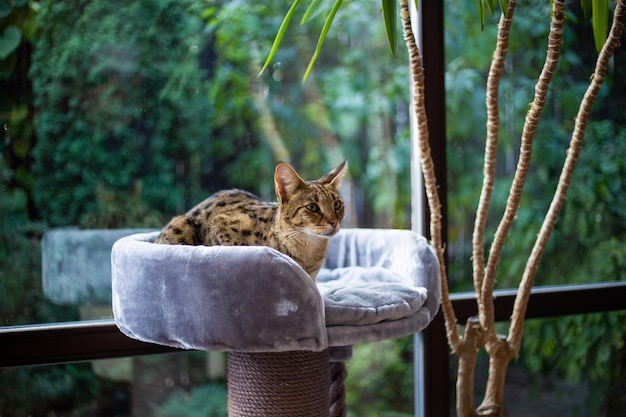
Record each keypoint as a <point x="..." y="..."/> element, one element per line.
<point x="278" y="384"/>
<point x="287" y="336"/>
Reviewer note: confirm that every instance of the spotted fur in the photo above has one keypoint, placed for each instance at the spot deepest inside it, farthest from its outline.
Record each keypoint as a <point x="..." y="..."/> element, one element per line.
<point x="300" y="224"/>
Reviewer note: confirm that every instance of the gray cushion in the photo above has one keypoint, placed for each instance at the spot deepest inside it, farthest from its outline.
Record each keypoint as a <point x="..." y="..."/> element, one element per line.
<point x="376" y="284"/>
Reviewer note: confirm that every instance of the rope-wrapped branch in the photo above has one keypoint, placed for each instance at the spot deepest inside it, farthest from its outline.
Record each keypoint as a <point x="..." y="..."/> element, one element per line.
<point x="428" y="171"/>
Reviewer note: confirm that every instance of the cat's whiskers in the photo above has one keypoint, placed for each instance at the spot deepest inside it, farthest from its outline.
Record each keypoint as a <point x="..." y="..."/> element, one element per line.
<point x="324" y="232"/>
<point x="294" y="234"/>
<point x="288" y="234"/>
<point x="306" y="233"/>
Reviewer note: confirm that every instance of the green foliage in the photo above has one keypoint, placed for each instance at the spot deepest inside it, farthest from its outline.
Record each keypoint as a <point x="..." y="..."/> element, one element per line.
<point x="592" y="228"/>
<point x="390" y="15"/>
<point x="314" y="6"/>
<point x="118" y="104"/>
<point x="62" y="390"/>
<point x="594" y="335"/>
<point x="113" y="209"/>
<point x="380" y="379"/>
<point x="20" y="266"/>
<point x="329" y="21"/>
<point x="238" y="157"/>
<point x="281" y="31"/>
<point x="203" y="401"/>
<point x="19" y="29"/>
<point x="600" y="21"/>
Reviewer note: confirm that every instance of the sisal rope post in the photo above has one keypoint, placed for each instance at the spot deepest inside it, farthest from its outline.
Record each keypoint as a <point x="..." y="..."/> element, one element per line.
<point x="278" y="384"/>
<point x="338" y="374"/>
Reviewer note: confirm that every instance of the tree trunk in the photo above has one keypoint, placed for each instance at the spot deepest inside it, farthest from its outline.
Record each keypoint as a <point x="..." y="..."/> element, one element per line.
<point x="500" y="354"/>
<point x="467" y="369"/>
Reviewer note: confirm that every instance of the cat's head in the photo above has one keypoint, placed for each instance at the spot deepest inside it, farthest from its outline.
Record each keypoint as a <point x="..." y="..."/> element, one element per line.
<point x="312" y="207"/>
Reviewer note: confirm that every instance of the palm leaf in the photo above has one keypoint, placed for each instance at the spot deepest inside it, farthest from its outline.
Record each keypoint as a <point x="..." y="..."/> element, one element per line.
<point x="322" y="38"/>
<point x="481" y="14"/>
<point x="281" y="32"/>
<point x="600" y="21"/>
<point x="390" y="17"/>
<point x="491" y="7"/>
<point x="315" y="8"/>
<point x="504" y="5"/>
<point x="586" y="5"/>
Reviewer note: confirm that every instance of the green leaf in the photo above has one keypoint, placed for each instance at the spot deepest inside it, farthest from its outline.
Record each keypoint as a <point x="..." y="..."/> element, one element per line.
<point x="600" y="21"/>
<point x="491" y="7"/>
<point x="315" y="8"/>
<point x="586" y="5"/>
<point x="390" y="16"/>
<point x="481" y="14"/>
<point x="504" y="5"/>
<point x="9" y="40"/>
<point x="281" y="33"/>
<point x="322" y="38"/>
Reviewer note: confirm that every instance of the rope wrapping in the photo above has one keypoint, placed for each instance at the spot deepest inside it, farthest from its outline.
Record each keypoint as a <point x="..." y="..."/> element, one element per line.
<point x="278" y="384"/>
<point x="338" y="375"/>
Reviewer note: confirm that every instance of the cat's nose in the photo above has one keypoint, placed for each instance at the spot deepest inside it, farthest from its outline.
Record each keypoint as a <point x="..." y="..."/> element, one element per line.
<point x="333" y="222"/>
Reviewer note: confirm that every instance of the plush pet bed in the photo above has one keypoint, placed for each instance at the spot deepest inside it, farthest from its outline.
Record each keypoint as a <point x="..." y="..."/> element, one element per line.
<point x="375" y="285"/>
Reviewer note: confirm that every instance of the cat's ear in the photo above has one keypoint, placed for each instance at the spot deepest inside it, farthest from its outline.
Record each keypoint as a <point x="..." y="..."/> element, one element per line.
<point x="287" y="181"/>
<point x="335" y="177"/>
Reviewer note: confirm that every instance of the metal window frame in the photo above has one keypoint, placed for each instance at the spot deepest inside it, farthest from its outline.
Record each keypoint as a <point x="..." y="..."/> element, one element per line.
<point x="101" y="339"/>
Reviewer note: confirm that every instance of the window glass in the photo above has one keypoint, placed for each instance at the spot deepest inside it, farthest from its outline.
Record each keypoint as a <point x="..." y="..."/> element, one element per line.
<point x="185" y="384"/>
<point x="561" y="370"/>
<point x="116" y="116"/>
<point x="592" y="224"/>
<point x="587" y="244"/>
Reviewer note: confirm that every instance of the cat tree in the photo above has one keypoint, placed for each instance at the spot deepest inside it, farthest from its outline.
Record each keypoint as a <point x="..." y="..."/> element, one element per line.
<point x="287" y="337"/>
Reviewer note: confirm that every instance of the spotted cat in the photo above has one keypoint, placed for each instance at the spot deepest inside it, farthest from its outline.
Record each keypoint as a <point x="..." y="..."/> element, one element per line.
<point x="300" y="225"/>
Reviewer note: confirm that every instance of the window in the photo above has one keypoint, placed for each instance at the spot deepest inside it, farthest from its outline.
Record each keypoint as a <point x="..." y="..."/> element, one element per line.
<point x="119" y="115"/>
<point x="587" y="245"/>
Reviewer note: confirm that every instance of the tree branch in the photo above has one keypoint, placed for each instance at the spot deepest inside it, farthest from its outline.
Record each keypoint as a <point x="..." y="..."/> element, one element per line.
<point x="491" y="145"/>
<point x="468" y="352"/>
<point x="553" y="54"/>
<point x="576" y="142"/>
<point x="430" y="181"/>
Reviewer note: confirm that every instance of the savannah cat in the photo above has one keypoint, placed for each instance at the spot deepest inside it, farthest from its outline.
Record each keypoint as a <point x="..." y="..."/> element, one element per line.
<point x="300" y="225"/>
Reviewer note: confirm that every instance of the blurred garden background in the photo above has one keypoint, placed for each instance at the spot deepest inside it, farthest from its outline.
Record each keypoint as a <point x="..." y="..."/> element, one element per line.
<point x="120" y="114"/>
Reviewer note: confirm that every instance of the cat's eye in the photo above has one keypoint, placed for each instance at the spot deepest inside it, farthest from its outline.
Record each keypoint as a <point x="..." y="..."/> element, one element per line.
<point x="337" y="205"/>
<point x="313" y="207"/>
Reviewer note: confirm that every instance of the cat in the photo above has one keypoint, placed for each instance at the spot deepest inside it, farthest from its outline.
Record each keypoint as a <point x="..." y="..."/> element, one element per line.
<point x="300" y="224"/>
